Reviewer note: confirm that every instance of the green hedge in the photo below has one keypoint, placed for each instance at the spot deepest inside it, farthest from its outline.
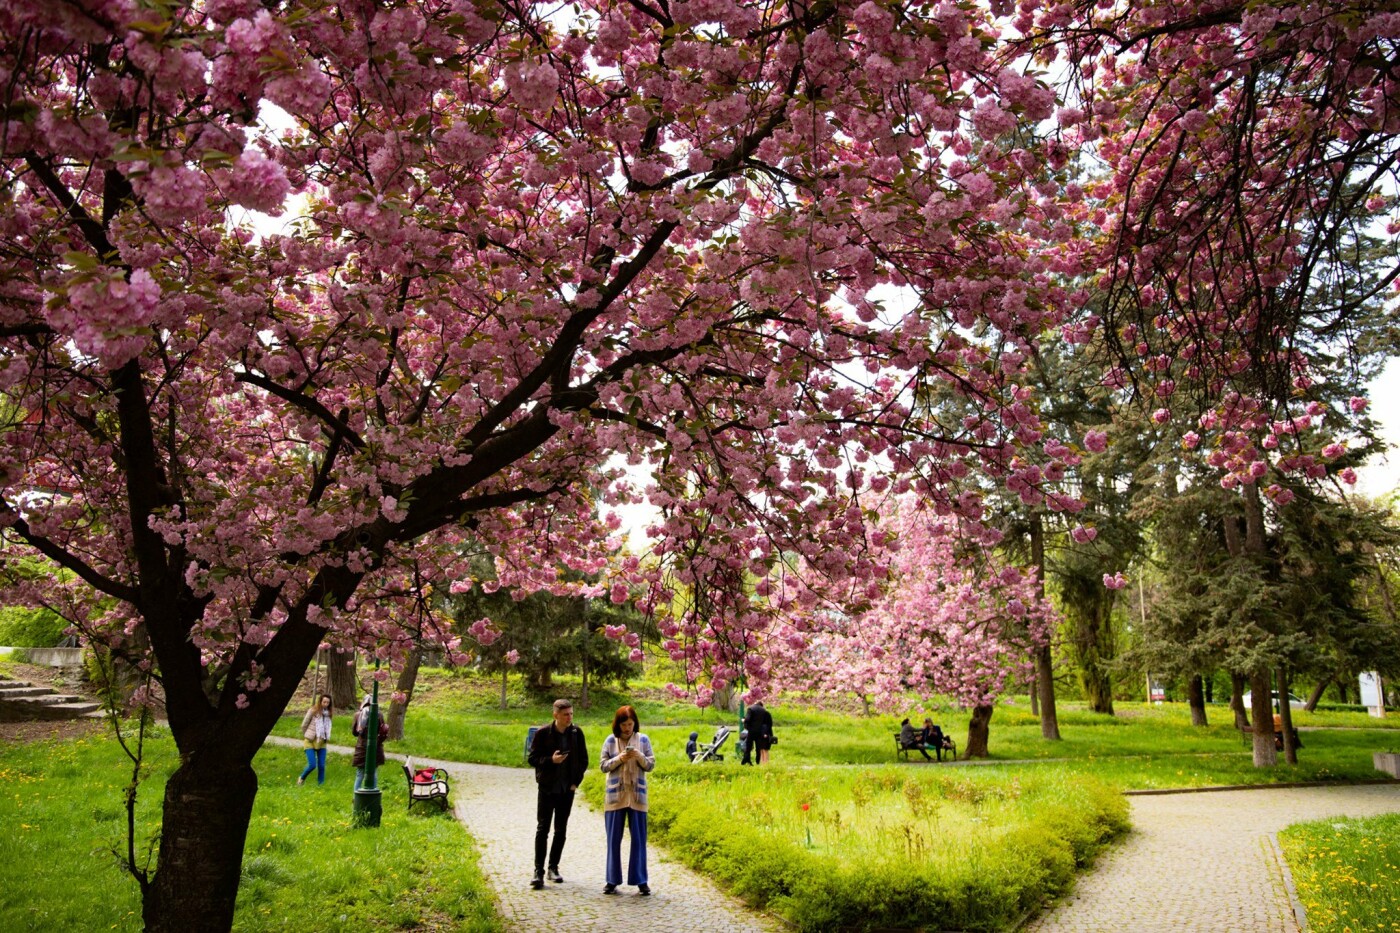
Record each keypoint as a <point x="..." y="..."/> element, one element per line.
<point x="30" y="628"/>
<point x="881" y="849"/>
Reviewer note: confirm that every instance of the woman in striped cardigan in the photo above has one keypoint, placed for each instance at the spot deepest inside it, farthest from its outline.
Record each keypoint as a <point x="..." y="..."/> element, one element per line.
<point x="627" y="757"/>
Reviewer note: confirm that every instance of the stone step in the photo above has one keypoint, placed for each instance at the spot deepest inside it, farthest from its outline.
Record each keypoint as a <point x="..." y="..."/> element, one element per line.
<point x="53" y="699"/>
<point x="27" y="710"/>
<point x="15" y="693"/>
<point x="74" y="710"/>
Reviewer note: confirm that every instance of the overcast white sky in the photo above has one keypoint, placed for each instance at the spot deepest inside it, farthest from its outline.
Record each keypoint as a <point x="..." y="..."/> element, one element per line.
<point x="1381" y="476"/>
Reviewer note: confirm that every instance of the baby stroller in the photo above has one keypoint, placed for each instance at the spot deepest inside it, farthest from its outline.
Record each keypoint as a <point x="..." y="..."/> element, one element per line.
<point x="711" y="752"/>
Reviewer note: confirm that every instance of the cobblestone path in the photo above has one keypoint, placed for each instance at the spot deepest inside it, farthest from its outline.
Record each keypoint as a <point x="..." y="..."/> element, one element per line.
<point x="497" y="806"/>
<point x="1204" y="862"/>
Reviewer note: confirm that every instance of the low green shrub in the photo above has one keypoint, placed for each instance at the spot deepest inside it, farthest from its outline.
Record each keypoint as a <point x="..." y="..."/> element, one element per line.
<point x="884" y="848"/>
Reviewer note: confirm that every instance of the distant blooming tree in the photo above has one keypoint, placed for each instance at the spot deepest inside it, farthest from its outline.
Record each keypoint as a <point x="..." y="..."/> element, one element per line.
<point x="953" y="619"/>
<point x="728" y="239"/>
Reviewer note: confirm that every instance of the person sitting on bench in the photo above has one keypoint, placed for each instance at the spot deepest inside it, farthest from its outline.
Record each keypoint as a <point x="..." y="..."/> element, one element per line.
<point x="1278" y="733"/>
<point x="932" y="737"/>
<point x="910" y="738"/>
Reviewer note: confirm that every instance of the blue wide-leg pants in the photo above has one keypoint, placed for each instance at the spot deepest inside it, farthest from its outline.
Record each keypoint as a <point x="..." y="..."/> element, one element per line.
<point x="636" y="822"/>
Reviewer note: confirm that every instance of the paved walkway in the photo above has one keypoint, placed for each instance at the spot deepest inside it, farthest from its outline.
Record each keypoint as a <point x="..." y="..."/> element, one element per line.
<point x="1204" y="862"/>
<point x="497" y="806"/>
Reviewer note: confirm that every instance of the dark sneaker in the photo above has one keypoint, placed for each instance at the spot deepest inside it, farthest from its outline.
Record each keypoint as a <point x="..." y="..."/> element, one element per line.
<point x="554" y="876"/>
<point x="609" y="889"/>
<point x="538" y="881"/>
<point x="643" y="890"/>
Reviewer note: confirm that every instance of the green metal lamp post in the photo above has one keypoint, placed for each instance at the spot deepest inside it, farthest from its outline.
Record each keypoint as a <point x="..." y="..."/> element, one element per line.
<point x="368" y="803"/>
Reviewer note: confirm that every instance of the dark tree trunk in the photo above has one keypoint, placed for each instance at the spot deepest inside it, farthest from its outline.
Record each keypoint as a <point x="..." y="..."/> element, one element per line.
<point x="978" y="731"/>
<point x="1044" y="666"/>
<point x="1342" y="691"/>
<point x="505" y="684"/>
<point x="1045" y="687"/>
<point x="1290" y="748"/>
<point x="408" y="680"/>
<point x="1237" y="701"/>
<point x="1088" y="609"/>
<point x="583" y="700"/>
<point x="1261" y="711"/>
<point x="1197" y="698"/>
<point x="1316" y="696"/>
<point x="203" y="830"/>
<point x="1210" y="687"/>
<point x="340" y="678"/>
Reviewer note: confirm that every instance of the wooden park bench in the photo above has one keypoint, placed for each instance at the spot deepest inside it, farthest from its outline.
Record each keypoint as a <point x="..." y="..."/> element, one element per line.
<point x="426" y="784"/>
<point x="1247" y="735"/>
<point x="902" y="751"/>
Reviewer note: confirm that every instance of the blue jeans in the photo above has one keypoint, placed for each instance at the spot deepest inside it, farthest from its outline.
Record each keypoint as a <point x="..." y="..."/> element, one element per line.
<point x="636" y="822"/>
<point x="315" y="760"/>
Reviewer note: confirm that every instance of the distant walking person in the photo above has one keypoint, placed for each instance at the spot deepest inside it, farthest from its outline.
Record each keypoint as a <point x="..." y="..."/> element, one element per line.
<point x="627" y="757"/>
<point x="315" y="733"/>
<point x="359" y="728"/>
<point x="759" y="724"/>
<point x="560" y="758"/>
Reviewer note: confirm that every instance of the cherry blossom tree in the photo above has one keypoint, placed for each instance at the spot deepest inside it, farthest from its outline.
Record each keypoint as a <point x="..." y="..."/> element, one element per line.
<point x="298" y="300"/>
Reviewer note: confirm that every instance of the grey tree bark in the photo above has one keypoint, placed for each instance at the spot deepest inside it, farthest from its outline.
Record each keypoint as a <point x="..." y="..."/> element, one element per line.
<point x="1044" y="666"/>
<point x="340" y="679"/>
<point x="408" y="679"/>
<point x="978" y="731"/>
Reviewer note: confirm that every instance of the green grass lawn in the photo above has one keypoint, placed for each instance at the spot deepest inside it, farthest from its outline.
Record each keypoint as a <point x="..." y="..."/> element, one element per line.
<point x="304" y="867"/>
<point x="458" y="719"/>
<point x="1345" y="871"/>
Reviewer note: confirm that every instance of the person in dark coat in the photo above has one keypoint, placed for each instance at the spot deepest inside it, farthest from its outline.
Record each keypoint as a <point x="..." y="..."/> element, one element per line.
<point x="560" y="758"/>
<point x="360" y="729"/>
<point x="759" y="724"/>
<point x="910" y="738"/>
<point x="933" y="738"/>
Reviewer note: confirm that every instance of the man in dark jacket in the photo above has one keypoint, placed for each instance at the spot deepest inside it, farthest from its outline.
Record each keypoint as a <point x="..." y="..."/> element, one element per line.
<point x="759" y="723"/>
<point x="560" y="758"/>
